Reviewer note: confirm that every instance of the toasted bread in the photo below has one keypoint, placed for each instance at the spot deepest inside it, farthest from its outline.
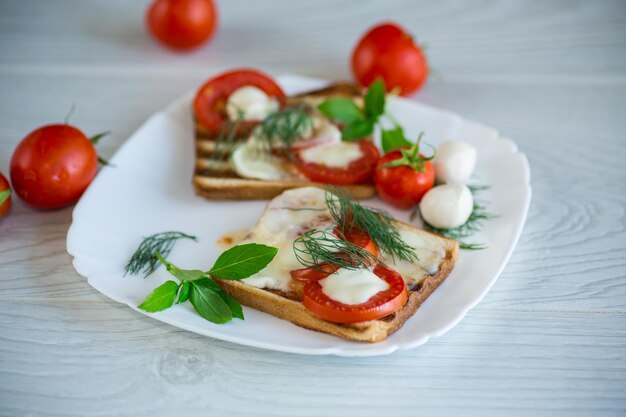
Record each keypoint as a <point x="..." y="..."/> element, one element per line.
<point x="215" y="179"/>
<point x="437" y="256"/>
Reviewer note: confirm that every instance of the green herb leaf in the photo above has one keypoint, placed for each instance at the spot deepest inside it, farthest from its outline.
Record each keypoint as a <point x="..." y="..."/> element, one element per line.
<point x="341" y="109"/>
<point x="235" y="307"/>
<point x="375" y="100"/>
<point x="183" y="292"/>
<point x="4" y="195"/>
<point x="161" y="298"/>
<point x="181" y="274"/>
<point x="144" y="258"/>
<point x="242" y="261"/>
<point x="208" y="302"/>
<point x="357" y="130"/>
<point x="394" y="138"/>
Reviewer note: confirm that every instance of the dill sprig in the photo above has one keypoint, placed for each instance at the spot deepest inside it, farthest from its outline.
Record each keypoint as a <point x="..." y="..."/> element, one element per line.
<point x="285" y="126"/>
<point x="474" y="223"/>
<point x="379" y="224"/>
<point x="144" y="258"/>
<point x="316" y="248"/>
<point x="227" y="139"/>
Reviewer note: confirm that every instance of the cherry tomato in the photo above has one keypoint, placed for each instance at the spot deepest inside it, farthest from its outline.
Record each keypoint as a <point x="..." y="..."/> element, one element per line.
<point x="357" y="172"/>
<point x="380" y="305"/>
<point x="182" y="24"/>
<point x="389" y="52"/>
<point x="5" y="196"/>
<point x="210" y="101"/>
<point x="402" y="186"/>
<point x="52" y="166"/>
<point x="359" y="238"/>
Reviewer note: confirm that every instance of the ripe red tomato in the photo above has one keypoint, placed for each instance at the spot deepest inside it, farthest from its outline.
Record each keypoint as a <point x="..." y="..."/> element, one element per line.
<point x="389" y="52"/>
<point x="402" y="186"/>
<point x="380" y="305"/>
<point x="359" y="238"/>
<point x="5" y="196"/>
<point x="182" y="24"/>
<point x="357" y="172"/>
<point x="52" y="166"/>
<point x="210" y="102"/>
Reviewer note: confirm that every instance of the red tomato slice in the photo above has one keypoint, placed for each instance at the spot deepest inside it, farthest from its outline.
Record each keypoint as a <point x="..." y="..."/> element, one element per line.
<point x="357" y="237"/>
<point x="210" y="101"/>
<point x="380" y="305"/>
<point x="357" y="172"/>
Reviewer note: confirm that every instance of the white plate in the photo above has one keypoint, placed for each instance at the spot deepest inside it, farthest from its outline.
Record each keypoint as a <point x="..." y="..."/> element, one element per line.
<point x="149" y="190"/>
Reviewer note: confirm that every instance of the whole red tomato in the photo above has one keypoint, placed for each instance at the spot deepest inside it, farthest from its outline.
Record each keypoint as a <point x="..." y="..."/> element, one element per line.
<point x="389" y="52"/>
<point x="182" y="24"/>
<point x="5" y="196"/>
<point x="52" y="166"/>
<point x="404" y="185"/>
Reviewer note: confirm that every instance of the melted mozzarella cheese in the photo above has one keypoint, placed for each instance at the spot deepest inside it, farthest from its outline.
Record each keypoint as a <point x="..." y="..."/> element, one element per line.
<point x="454" y="162"/>
<point x="430" y="251"/>
<point x="338" y="155"/>
<point x="250" y="103"/>
<point x="249" y="162"/>
<point x="352" y="286"/>
<point x="447" y="206"/>
<point x="285" y="219"/>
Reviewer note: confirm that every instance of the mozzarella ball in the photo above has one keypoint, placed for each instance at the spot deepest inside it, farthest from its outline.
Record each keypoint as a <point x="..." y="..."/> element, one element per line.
<point x="455" y="162"/>
<point x="447" y="206"/>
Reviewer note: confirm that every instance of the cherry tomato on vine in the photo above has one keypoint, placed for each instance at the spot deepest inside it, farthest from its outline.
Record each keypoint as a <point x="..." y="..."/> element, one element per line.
<point x="404" y="175"/>
<point x="389" y="52"/>
<point x="5" y="196"/>
<point x="182" y="24"/>
<point x="53" y="165"/>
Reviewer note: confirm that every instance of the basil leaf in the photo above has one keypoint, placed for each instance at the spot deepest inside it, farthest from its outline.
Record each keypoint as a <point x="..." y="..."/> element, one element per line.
<point x="181" y="274"/>
<point x="208" y="303"/>
<point x="375" y="100"/>
<point x="235" y="307"/>
<point x="4" y="195"/>
<point x="357" y="130"/>
<point x="394" y="138"/>
<point x="241" y="261"/>
<point x="161" y="298"/>
<point x="341" y="109"/>
<point x="183" y="292"/>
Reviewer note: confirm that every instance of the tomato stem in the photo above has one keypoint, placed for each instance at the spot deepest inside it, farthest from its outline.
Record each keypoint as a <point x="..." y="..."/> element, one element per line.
<point x="69" y="114"/>
<point x="4" y="195"/>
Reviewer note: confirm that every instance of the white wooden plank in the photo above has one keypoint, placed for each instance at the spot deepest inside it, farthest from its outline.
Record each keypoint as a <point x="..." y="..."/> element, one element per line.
<point x="69" y="361"/>
<point x="464" y="39"/>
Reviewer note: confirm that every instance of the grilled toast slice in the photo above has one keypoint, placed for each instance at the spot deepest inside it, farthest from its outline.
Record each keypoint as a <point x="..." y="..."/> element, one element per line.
<point x="214" y="178"/>
<point x="282" y="296"/>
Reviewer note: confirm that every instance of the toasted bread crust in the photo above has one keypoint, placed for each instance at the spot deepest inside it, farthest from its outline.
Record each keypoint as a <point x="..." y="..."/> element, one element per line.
<point x="217" y="181"/>
<point x="371" y="331"/>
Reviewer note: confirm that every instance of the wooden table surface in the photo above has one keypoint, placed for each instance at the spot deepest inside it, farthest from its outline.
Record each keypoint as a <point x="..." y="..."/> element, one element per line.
<point x="548" y="339"/>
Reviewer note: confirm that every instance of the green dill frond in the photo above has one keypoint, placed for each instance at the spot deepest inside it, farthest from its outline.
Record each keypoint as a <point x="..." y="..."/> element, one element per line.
<point x="285" y="126"/>
<point x="227" y="139"/>
<point x="144" y="258"/>
<point x="377" y="223"/>
<point x="319" y="247"/>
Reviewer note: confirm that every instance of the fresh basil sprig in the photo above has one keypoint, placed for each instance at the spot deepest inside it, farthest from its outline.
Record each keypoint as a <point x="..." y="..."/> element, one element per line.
<point x="207" y="298"/>
<point x="359" y="122"/>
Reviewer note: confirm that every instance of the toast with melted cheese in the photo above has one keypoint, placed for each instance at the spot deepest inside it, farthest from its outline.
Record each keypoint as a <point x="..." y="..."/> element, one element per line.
<point x="273" y="291"/>
<point x="215" y="178"/>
